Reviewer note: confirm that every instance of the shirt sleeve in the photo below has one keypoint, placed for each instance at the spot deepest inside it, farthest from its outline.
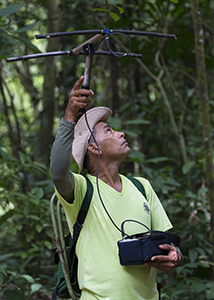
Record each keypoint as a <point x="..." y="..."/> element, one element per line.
<point x="60" y="160"/>
<point x="72" y="209"/>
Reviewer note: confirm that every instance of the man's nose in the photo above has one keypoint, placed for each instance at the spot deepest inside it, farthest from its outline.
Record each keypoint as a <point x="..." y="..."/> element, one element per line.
<point x="121" y="134"/>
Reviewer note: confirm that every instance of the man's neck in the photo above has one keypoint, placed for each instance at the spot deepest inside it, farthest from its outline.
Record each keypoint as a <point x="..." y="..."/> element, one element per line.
<point x="110" y="175"/>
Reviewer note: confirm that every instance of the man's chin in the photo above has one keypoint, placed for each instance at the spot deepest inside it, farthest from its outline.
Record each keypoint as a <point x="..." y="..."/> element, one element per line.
<point x="128" y="151"/>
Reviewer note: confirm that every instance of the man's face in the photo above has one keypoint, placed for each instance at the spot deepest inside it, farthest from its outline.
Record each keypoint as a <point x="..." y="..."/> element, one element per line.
<point x="111" y="143"/>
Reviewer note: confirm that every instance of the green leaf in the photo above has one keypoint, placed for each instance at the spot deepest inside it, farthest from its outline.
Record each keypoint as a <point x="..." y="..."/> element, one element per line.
<point x="136" y="155"/>
<point x="28" y="44"/>
<point x="114" y="123"/>
<point x="5" y="256"/>
<point x="14" y="295"/>
<point x="21" y="196"/>
<point x="198" y="287"/>
<point x="191" y="195"/>
<point x="12" y="231"/>
<point x="193" y="254"/>
<point x="35" y="201"/>
<point x="19" y="227"/>
<point x="113" y="2"/>
<point x="114" y="16"/>
<point x="157" y="159"/>
<point x="121" y="10"/>
<point x="40" y="167"/>
<point x="28" y="278"/>
<point x="36" y="163"/>
<point x="35" y="287"/>
<point x="130" y="133"/>
<point x="202" y="191"/>
<point x="6" y="216"/>
<point x="10" y="10"/>
<point x="38" y="192"/>
<point x="1" y="278"/>
<point x="137" y="122"/>
<point x="28" y="27"/>
<point x="101" y="9"/>
<point x="187" y="166"/>
<point x="38" y="228"/>
<point x="179" y="269"/>
<point x="174" y="1"/>
<point x="34" y="217"/>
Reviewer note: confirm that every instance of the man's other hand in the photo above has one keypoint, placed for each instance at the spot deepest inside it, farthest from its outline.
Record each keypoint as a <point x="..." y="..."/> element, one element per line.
<point x="166" y="262"/>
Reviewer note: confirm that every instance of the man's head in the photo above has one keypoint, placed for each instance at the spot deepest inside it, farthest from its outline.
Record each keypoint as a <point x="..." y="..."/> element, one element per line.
<point x="82" y="133"/>
<point x="112" y="144"/>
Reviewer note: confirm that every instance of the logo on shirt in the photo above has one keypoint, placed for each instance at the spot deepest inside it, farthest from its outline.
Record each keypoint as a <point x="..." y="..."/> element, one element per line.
<point x="146" y="208"/>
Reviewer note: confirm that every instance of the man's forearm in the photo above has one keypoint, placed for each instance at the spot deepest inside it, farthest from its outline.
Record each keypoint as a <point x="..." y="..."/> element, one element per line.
<point x="60" y="160"/>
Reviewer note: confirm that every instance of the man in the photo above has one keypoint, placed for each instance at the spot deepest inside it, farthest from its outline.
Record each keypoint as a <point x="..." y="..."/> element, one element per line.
<point x="100" y="274"/>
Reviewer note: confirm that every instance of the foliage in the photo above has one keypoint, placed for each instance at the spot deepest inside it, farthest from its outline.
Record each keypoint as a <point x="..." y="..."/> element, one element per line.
<point x="25" y="257"/>
<point x="155" y="103"/>
<point x="114" y="15"/>
<point x="8" y="31"/>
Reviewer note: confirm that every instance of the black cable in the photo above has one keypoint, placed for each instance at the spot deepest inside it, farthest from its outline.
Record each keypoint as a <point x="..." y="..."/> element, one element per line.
<point x="106" y="37"/>
<point x="98" y="164"/>
<point x="114" y="53"/>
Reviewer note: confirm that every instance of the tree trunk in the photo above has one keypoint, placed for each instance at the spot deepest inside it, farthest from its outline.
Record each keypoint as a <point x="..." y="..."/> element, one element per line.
<point x="46" y="116"/>
<point x="205" y="110"/>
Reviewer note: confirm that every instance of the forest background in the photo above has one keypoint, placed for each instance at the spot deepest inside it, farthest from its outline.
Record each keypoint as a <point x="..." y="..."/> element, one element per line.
<point x="163" y="102"/>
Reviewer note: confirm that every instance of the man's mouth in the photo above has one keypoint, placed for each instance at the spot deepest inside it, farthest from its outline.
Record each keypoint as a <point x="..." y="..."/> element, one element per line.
<point x="124" y="143"/>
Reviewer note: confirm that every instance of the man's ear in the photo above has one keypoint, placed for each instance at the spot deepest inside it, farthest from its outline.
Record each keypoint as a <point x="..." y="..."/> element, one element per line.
<point x="92" y="147"/>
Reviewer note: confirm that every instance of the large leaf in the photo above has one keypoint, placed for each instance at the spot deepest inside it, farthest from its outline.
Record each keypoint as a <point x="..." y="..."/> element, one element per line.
<point x="121" y="10"/>
<point x="130" y="133"/>
<point x="136" y="155"/>
<point x="193" y="254"/>
<point x="27" y="27"/>
<point x="28" y="278"/>
<point x="28" y="44"/>
<point x="187" y="166"/>
<point x="113" y="15"/>
<point x="114" y="123"/>
<point x="14" y="295"/>
<point x="158" y="159"/>
<point x="5" y="256"/>
<point x="6" y="44"/>
<point x="6" y="216"/>
<point x="10" y="10"/>
<point x="35" y="287"/>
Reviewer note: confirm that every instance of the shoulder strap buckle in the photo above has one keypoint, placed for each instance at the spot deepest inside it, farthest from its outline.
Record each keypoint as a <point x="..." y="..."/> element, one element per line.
<point x="77" y="227"/>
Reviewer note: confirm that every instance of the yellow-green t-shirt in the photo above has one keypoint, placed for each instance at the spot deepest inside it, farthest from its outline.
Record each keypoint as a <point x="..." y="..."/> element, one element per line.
<point x="100" y="274"/>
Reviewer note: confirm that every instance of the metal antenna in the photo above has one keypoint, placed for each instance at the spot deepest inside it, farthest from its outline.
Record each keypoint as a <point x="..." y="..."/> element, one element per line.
<point x="87" y="48"/>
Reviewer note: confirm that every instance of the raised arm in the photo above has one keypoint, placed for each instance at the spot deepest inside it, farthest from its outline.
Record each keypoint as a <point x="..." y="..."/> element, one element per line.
<point x="60" y="158"/>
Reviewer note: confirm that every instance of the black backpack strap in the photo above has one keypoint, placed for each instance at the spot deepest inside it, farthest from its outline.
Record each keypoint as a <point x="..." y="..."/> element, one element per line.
<point x="83" y="211"/>
<point x="80" y="220"/>
<point x="54" y="296"/>
<point x="138" y="185"/>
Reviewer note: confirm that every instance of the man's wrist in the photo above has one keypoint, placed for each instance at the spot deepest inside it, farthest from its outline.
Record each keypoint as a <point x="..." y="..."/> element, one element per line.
<point x="74" y="123"/>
